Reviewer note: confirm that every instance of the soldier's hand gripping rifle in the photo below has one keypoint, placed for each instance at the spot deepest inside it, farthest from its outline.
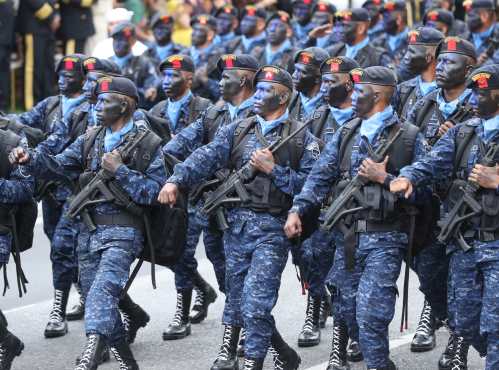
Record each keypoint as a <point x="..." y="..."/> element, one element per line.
<point x="233" y="190"/>
<point x="466" y="207"/>
<point x="101" y="189"/>
<point x="353" y="191"/>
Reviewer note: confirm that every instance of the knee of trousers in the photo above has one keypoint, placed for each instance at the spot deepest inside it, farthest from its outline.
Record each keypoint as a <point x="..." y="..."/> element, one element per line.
<point x="376" y="306"/>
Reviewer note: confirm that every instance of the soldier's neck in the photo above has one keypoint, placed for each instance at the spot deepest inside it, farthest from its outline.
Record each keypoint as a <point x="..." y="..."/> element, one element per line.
<point x="239" y="98"/>
<point x="72" y="96"/>
<point x="429" y="74"/>
<point x="454" y="93"/>
<point x="177" y="98"/>
<point x="359" y="39"/>
<point x="346" y="104"/>
<point x="485" y="27"/>
<point x="276" y="114"/>
<point x="313" y="91"/>
<point x="118" y="125"/>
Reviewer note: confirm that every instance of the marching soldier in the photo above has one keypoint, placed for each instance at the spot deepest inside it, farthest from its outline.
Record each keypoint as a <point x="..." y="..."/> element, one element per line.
<point x="444" y="21"/>
<point x="366" y="272"/>
<point x="227" y="23"/>
<point x="107" y="252"/>
<point x="252" y="28"/>
<point x="256" y="248"/>
<point x="460" y="155"/>
<point x="322" y="33"/>
<point x="459" y="28"/>
<point x="375" y="24"/>
<point x="77" y="24"/>
<point x="301" y="20"/>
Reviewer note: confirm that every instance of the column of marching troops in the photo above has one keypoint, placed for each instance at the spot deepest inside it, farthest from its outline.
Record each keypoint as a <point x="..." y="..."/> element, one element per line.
<point x="348" y="120"/>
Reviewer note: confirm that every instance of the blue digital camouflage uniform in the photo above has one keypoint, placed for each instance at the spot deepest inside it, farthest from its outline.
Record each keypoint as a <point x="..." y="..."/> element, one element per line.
<point x="256" y="248"/>
<point x="485" y="42"/>
<point x="396" y="46"/>
<point x="367" y="293"/>
<point x="411" y="92"/>
<point x="473" y="295"/>
<point x="106" y="254"/>
<point x="282" y="57"/>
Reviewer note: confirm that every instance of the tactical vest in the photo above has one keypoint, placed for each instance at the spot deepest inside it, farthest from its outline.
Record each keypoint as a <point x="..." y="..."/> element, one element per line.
<point x="197" y="105"/>
<point x="488" y="222"/>
<point x="383" y="205"/>
<point x="265" y="196"/>
<point x="213" y="119"/>
<point x="8" y="141"/>
<point x="318" y="127"/>
<point x="53" y="113"/>
<point x="407" y="96"/>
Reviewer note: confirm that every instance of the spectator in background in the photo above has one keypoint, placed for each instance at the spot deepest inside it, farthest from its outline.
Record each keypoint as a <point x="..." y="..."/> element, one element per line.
<point x="6" y="40"/>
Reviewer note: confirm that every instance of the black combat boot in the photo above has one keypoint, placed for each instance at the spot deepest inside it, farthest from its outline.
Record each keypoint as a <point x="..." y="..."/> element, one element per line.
<point x="227" y="356"/>
<point x="325" y="311"/>
<point x="338" y="356"/>
<point x="285" y="357"/>
<point x="460" y="357"/>
<point x="240" y="345"/>
<point x="124" y="356"/>
<point x="57" y="325"/>
<point x="134" y="317"/>
<point x="10" y="347"/>
<point x="205" y="295"/>
<point x="180" y="326"/>
<point x="311" y="334"/>
<point x="253" y="364"/>
<point x="78" y="310"/>
<point x="101" y="358"/>
<point x="390" y="366"/>
<point x="91" y="356"/>
<point x="445" y="361"/>
<point x="424" y="338"/>
<point x="354" y="354"/>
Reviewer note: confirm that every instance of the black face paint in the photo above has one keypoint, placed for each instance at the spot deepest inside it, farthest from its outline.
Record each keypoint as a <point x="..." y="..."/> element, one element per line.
<point x="487" y="103"/>
<point x="109" y="109"/>
<point x="248" y="26"/>
<point x="305" y="77"/>
<point x="266" y="98"/>
<point x="173" y="83"/>
<point x="451" y="70"/>
<point x="276" y="32"/>
<point x="89" y="86"/>
<point x="199" y="35"/>
<point x="302" y="13"/>
<point x="69" y="82"/>
<point x="224" y="24"/>
<point x="335" y="91"/>
<point x="162" y="33"/>
<point x="438" y="26"/>
<point x="348" y="31"/>
<point x="390" y="24"/>
<point x="121" y="46"/>
<point x="373" y="14"/>
<point x="230" y="84"/>
<point x="320" y="18"/>
<point x="473" y="21"/>
<point x="415" y="59"/>
<point x="363" y="100"/>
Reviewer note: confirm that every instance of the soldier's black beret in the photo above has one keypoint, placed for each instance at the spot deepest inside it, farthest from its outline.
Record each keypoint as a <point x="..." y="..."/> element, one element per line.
<point x="252" y="11"/>
<point x="281" y="15"/>
<point x="324" y="6"/>
<point x="478" y="4"/>
<point x="226" y="9"/>
<point x="124" y="28"/>
<point x="178" y="61"/>
<point x="93" y="64"/>
<point x="339" y="64"/>
<point x="72" y="63"/>
<point x="425" y="36"/>
<point x="205" y="20"/>
<point x="111" y="67"/>
<point x="274" y="74"/>
<point x="116" y="85"/>
<point x="305" y="2"/>
<point x="439" y="15"/>
<point x="378" y="3"/>
<point x="376" y="75"/>
<point x="456" y="45"/>
<point x="241" y="61"/>
<point x="352" y="15"/>
<point x="392" y="6"/>
<point x="314" y="56"/>
<point x="159" y="18"/>
<point x="485" y="78"/>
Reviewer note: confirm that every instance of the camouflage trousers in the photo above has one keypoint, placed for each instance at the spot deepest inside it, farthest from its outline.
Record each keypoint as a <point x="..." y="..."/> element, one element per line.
<point x="367" y="293"/>
<point x="474" y="298"/>
<point x="256" y="251"/>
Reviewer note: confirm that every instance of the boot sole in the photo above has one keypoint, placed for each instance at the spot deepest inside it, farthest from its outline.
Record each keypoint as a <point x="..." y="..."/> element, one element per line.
<point x="419" y="349"/>
<point x="355" y="358"/>
<point x="305" y="344"/>
<point x="55" y="334"/>
<point x="200" y="319"/>
<point x="176" y="336"/>
<point x="142" y="325"/>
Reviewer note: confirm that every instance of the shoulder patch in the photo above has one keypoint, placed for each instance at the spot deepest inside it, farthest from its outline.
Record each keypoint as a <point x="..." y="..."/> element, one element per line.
<point x="314" y="148"/>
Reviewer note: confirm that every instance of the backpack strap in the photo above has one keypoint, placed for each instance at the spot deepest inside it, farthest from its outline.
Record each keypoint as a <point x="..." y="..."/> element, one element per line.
<point x="198" y="105"/>
<point x="347" y="133"/>
<point x="464" y="137"/>
<point x="90" y="137"/>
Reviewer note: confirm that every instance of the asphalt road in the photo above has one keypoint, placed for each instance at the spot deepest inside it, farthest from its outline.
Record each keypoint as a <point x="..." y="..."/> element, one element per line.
<point x="27" y="318"/>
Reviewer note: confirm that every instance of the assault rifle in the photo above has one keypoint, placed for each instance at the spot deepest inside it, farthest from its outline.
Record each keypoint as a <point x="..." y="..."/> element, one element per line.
<point x="224" y="194"/>
<point x="102" y="189"/>
<point x="338" y="209"/>
<point x="451" y="225"/>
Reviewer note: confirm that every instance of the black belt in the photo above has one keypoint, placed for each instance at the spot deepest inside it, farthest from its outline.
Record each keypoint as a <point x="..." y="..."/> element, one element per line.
<point x="119" y="219"/>
<point x="365" y="226"/>
<point x="487" y="236"/>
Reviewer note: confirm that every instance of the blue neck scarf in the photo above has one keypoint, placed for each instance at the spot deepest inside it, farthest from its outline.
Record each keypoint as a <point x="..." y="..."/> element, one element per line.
<point x="248" y="42"/>
<point x="426" y="87"/>
<point x="271" y="56"/>
<point x="122" y="61"/>
<point x="92" y="116"/>
<point x="376" y="29"/>
<point x="163" y="51"/>
<point x="301" y="32"/>
<point x="267" y="126"/>
<point x="222" y="39"/>
<point x="174" y="108"/>
<point x="68" y="106"/>
<point x="490" y="128"/>
<point x="448" y="108"/>
<point x="324" y="41"/>
<point x="371" y="126"/>
<point x="197" y="54"/>
<point x="112" y="139"/>
<point x="235" y="110"/>
<point x="480" y="38"/>
<point x="341" y="115"/>
<point x="352" y="51"/>
<point x="396" y="41"/>
<point x="310" y="104"/>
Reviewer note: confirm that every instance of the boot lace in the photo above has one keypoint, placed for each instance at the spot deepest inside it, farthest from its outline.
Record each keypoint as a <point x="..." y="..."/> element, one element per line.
<point x="3" y="351"/>
<point x="309" y="316"/>
<point x="56" y="313"/>
<point x="177" y="318"/>
<point x="450" y="344"/>
<point x="200" y="298"/>
<point x="425" y="325"/>
<point x="459" y="361"/>
<point x="119" y="359"/>
<point x="249" y="364"/>
<point x="86" y="356"/>
<point x="278" y="363"/>
<point x="126" y="321"/>
<point x="224" y="352"/>
<point x="334" y="357"/>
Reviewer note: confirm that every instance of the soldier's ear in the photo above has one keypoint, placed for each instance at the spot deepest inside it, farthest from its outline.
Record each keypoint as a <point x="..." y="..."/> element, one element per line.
<point x="349" y="85"/>
<point x="284" y="97"/>
<point x="242" y="80"/>
<point x="123" y="106"/>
